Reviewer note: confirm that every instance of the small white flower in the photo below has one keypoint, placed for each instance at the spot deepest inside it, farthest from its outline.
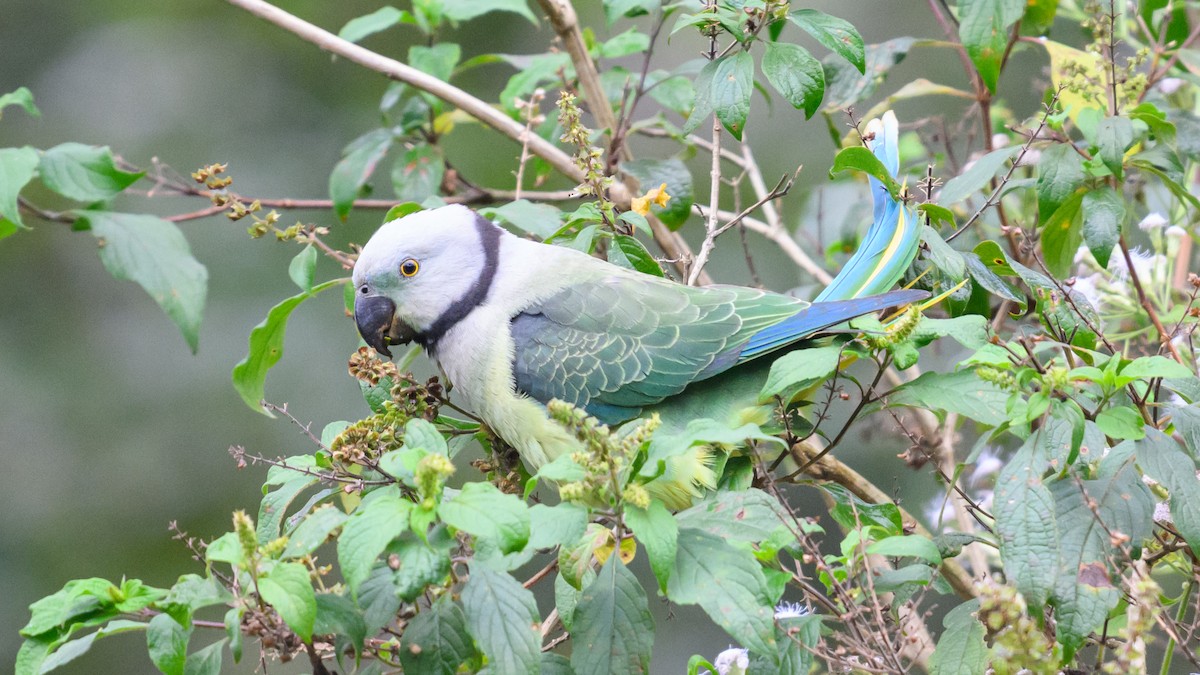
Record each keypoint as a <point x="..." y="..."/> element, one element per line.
<point x="1162" y="513"/>
<point x="1176" y="232"/>
<point x="732" y="661"/>
<point x="987" y="464"/>
<point x="790" y="610"/>
<point x="1031" y="157"/>
<point x="1089" y="288"/>
<point x="1154" y="221"/>
<point x="1000" y="141"/>
<point x="1170" y="85"/>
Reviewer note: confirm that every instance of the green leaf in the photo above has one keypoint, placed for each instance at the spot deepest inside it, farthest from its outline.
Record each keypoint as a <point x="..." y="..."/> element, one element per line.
<point x="1186" y="420"/>
<point x="961" y="649"/>
<point x="1148" y="367"/>
<point x="937" y="215"/>
<point x="72" y="649"/>
<point x="375" y="22"/>
<point x="484" y="511"/>
<point x="658" y="533"/>
<point x="651" y="173"/>
<point x="984" y="30"/>
<point x="750" y="515"/>
<point x="1121" y="422"/>
<point x="615" y="9"/>
<point x="465" y="10"/>
<point x="1060" y="174"/>
<point x="613" y="632"/>
<point x="732" y="84"/>
<point x="799" y="370"/>
<point x="909" y="545"/>
<point x="381" y="517"/>
<point x="417" y="174"/>
<point x="153" y="252"/>
<point x="666" y="444"/>
<point x="313" y="531"/>
<point x="167" y="642"/>
<point x="85" y="173"/>
<point x="224" y="548"/>
<point x="796" y="75"/>
<point x="838" y="35"/>
<point x="575" y="557"/>
<point x="551" y="526"/>
<point x="436" y="640"/>
<point x="628" y="252"/>
<point x="1025" y="525"/>
<point x="1087" y="512"/>
<point x="287" y="588"/>
<point x="540" y="220"/>
<point x="303" y="268"/>
<point x="702" y="107"/>
<point x="401" y="210"/>
<point x="961" y="392"/>
<point x="858" y="158"/>
<point x="437" y="60"/>
<point x="1114" y="135"/>
<point x="207" y="661"/>
<point x="356" y="166"/>
<point x="503" y="617"/>
<point x="980" y="174"/>
<point x="337" y="615"/>
<point x="266" y="348"/>
<point x="673" y="93"/>
<point x="77" y="600"/>
<point x="20" y="96"/>
<point x="631" y="41"/>
<point x="420" y="567"/>
<point x="1061" y="236"/>
<point x="970" y="330"/>
<point x="17" y="167"/>
<point x="191" y="591"/>
<point x="1161" y="458"/>
<point x="728" y="583"/>
<point x="942" y="256"/>
<point x="233" y="632"/>
<point x="1103" y="217"/>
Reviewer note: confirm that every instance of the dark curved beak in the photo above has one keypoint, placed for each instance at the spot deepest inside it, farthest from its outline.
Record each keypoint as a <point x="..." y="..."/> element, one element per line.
<point x="375" y="317"/>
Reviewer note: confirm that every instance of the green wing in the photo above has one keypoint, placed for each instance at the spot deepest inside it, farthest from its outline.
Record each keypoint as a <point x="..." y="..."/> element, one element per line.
<point x="622" y="342"/>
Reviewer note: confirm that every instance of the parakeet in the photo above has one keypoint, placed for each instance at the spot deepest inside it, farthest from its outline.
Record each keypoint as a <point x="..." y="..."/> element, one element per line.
<point x="514" y="323"/>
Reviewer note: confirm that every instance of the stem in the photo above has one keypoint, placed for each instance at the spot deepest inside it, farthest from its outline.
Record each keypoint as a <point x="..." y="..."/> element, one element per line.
<point x="1163" y="336"/>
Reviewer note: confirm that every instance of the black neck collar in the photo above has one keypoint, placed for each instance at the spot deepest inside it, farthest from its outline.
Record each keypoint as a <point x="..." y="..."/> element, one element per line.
<point x="489" y="240"/>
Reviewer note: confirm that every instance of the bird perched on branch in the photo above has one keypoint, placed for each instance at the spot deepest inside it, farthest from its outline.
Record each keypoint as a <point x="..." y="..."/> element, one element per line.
<point x="516" y="323"/>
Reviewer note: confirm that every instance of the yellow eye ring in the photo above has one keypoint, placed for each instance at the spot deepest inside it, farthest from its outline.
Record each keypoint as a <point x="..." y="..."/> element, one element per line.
<point x="409" y="267"/>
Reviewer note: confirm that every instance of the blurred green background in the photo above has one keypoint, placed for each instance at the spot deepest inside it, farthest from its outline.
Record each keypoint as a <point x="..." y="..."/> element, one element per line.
<point x="109" y="427"/>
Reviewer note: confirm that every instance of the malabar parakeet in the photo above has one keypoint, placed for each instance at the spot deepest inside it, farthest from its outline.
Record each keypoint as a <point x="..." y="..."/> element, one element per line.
<point x="515" y="323"/>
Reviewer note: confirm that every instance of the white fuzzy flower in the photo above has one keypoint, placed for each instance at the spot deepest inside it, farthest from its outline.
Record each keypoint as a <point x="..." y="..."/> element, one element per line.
<point x="1089" y="288"/>
<point x="1170" y="85"/>
<point x="1000" y="141"/>
<point x="1162" y="513"/>
<point x="732" y="661"/>
<point x="1175" y="232"/>
<point x="986" y="465"/>
<point x="790" y="610"/>
<point x="1154" y="221"/>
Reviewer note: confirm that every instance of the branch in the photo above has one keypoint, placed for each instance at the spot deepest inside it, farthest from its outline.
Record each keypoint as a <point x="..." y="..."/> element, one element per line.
<point x="714" y="203"/>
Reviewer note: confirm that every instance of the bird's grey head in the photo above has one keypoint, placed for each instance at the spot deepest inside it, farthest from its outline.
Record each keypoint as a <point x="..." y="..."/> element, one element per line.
<point x="421" y="274"/>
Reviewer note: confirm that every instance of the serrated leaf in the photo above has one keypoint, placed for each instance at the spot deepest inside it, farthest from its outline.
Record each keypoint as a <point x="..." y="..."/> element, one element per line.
<point x="274" y="505"/>
<point x="732" y="84"/>
<point x="651" y="173"/>
<point x="613" y="633"/>
<point x="381" y="517"/>
<point x="420" y="566"/>
<point x="1147" y="367"/>
<point x="541" y="220"/>
<point x="961" y="392"/>
<point x="1113" y="136"/>
<point x="437" y="60"/>
<point x="551" y="526"/>
<point x="338" y="616"/>
<point x="729" y="585"/>
<point x="380" y="20"/>
<point x="503" y="617"/>
<point x="417" y="174"/>
<point x="838" y="35"/>
<point x="1103" y="217"/>
<point x="575" y="557"/>
<point x="846" y="86"/>
<point x="799" y="370"/>
<point x="632" y="41"/>
<point x="750" y="515"/>
<point x="657" y="531"/>
<point x="167" y="643"/>
<point x="1121" y="422"/>
<point x="1025" y="525"/>
<point x="436" y="640"/>
<point x="153" y="252"/>
<point x="71" y="649"/>
<point x="85" y="173"/>
<point x="628" y="252"/>
<point x="313" y="531"/>
<point x="355" y="168"/>
<point x="979" y="174"/>
<point x="961" y="649"/>
<point x="484" y="511"/>
<point x="1060" y="174"/>
<point x="287" y="588"/>
<point x="984" y="30"/>
<point x="1161" y="458"/>
<point x="266" y="348"/>
<point x="796" y="75"/>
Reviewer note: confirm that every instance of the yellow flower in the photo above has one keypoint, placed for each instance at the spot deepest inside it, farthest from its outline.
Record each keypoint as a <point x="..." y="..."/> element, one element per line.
<point x="658" y="195"/>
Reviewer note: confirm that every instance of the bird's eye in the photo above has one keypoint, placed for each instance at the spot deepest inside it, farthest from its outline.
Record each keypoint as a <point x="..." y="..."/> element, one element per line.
<point x="409" y="267"/>
<point x="363" y="290"/>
